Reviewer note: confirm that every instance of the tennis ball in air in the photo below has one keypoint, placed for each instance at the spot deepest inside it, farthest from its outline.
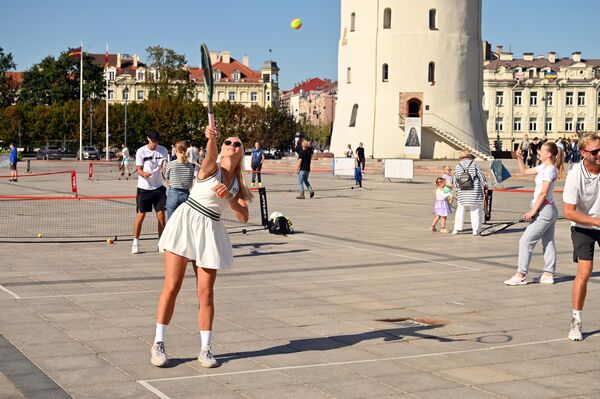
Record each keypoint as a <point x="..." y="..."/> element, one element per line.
<point x="109" y="241"/>
<point x="296" y="23"/>
<point x="39" y="235"/>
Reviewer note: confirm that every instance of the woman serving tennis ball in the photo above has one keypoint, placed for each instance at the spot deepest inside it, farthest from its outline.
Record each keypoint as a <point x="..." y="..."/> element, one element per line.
<point x="542" y="216"/>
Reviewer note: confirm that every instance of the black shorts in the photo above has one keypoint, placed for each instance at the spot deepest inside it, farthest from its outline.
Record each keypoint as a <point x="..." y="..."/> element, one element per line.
<point x="13" y="166"/>
<point x="146" y="199"/>
<point x="583" y="243"/>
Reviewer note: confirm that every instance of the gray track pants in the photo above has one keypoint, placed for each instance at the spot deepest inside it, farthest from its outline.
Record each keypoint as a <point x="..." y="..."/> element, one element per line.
<point x="541" y="226"/>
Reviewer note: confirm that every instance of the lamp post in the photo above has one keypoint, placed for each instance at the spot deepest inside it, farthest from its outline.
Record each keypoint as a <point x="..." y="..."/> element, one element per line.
<point x="126" y="95"/>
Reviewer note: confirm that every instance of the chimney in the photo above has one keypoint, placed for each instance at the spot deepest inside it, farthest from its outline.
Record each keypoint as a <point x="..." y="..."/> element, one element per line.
<point x="506" y="57"/>
<point x="528" y="56"/>
<point x="246" y="60"/>
<point x="118" y="60"/>
<point x="552" y="57"/>
<point x="499" y="49"/>
<point x="576" y="56"/>
<point x="214" y="57"/>
<point x="136" y="58"/>
<point x="226" y="57"/>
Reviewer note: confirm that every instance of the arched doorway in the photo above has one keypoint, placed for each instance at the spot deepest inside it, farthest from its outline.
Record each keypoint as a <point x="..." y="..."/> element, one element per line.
<point x="414" y="108"/>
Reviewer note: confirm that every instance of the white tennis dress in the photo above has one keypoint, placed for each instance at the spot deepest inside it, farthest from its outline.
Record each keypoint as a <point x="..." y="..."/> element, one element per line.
<point x="195" y="230"/>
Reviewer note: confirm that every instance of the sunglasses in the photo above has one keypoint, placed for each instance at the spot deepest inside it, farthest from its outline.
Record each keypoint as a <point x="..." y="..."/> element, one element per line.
<point x="593" y="152"/>
<point x="236" y="144"/>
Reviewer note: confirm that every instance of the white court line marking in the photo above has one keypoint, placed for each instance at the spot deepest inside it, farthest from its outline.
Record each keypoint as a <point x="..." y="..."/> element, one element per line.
<point x="155" y="391"/>
<point x="390" y="254"/>
<point x="242" y="286"/>
<point x="9" y="292"/>
<point x="147" y="383"/>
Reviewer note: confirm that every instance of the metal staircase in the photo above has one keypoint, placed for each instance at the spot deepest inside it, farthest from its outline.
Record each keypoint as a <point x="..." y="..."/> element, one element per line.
<point x="444" y="129"/>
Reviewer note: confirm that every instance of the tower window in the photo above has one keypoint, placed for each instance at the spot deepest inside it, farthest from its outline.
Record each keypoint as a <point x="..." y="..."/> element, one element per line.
<point x="387" y="18"/>
<point x="349" y="75"/>
<point x="432" y="19"/>
<point x="431" y="73"/>
<point x="353" y="116"/>
<point x="384" y="73"/>
<point x="352" y="21"/>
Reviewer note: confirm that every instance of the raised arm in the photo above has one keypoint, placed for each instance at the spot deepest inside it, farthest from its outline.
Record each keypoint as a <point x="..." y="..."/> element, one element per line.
<point x="522" y="168"/>
<point x="209" y="163"/>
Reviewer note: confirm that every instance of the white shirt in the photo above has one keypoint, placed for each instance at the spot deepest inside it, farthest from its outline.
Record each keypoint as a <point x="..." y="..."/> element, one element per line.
<point x="545" y="173"/>
<point x="151" y="161"/>
<point x="192" y="154"/>
<point x="581" y="190"/>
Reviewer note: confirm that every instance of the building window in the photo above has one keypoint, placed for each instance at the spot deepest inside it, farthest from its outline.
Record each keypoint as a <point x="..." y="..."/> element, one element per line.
<point x="533" y="98"/>
<point x="232" y="96"/>
<point x="581" y="98"/>
<point x="531" y="73"/>
<point x="352" y="22"/>
<point x="384" y="73"/>
<point x="580" y="125"/>
<point x="140" y="94"/>
<point x="140" y="75"/>
<point x="353" y="116"/>
<point x="151" y="75"/>
<point x="431" y="73"/>
<point x="549" y="124"/>
<point x="518" y="97"/>
<point x="569" y="99"/>
<point x="111" y="75"/>
<point x="266" y="78"/>
<point x="517" y="125"/>
<point x="532" y="125"/>
<point x="236" y="76"/>
<point x="253" y="96"/>
<point x="125" y="94"/>
<point x="432" y="19"/>
<point x="268" y="96"/>
<point x="569" y="124"/>
<point x="387" y="18"/>
<point x="349" y="75"/>
<point x="499" y="98"/>
<point x="598" y="126"/>
<point x="598" y="99"/>
<point x="549" y="98"/>
<point x="217" y="76"/>
<point x="111" y="95"/>
<point x="499" y="125"/>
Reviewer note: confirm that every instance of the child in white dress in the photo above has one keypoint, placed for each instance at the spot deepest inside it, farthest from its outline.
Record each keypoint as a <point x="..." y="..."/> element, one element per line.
<point x="442" y="207"/>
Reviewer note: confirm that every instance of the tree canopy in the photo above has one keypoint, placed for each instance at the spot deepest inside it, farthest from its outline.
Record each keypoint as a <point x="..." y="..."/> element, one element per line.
<point x="172" y="79"/>
<point x="7" y="86"/>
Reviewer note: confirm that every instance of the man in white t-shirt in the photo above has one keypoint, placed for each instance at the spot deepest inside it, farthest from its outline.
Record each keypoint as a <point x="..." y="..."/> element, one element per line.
<point x="150" y="161"/>
<point x="582" y="207"/>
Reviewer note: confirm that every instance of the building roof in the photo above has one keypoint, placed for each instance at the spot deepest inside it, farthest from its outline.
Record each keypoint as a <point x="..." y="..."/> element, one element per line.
<point x="227" y="70"/>
<point x="539" y="63"/>
<point x="313" y="84"/>
<point x="16" y="78"/>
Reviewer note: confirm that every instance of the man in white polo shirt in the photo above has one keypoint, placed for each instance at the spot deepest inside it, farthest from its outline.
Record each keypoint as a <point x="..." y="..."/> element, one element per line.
<point x="151" y="193"/>
<point x="582" y="207"/>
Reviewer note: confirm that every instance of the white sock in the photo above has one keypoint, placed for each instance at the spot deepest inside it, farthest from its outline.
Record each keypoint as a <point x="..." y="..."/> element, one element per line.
<point x="577" y="314"/>
<point x="135" y="241"/>
<point x="161" y="330"/>
<point x="205" y="337"/>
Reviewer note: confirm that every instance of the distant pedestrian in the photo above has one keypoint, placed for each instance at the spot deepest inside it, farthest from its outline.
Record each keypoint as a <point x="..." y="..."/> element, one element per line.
<point x="258" y="157"/>
<point x="303" y="170"/>
<point x="524" y="146"/>
<point x="151" y="193"/>
<point x="441" y="207"/>
<point x="13" y="158"/>
<point x="581" y="202"/>
<point x="180" y="176"/>
<point x="469" y="198"/>
<point x="348" y="151"/>
<point x="124" y="160"/>
<point x="360" y="156"/>
<point x="173" y="152"/>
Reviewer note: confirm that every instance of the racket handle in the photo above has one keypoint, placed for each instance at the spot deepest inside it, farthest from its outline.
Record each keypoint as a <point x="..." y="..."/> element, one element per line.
<point x="211" y="120"/>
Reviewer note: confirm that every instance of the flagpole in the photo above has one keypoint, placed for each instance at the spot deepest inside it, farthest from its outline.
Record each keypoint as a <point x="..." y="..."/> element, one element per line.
<point x="81" y="104"/>
<point x="106" y="76"/>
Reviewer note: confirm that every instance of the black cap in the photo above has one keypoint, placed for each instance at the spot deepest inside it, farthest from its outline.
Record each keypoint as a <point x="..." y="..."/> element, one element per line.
<point x="153" y="135"/>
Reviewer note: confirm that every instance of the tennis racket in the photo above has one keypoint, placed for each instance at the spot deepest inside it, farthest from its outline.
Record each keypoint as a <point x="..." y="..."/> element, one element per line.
<point x="208" y="82"/>
<point x="498" y="227"/>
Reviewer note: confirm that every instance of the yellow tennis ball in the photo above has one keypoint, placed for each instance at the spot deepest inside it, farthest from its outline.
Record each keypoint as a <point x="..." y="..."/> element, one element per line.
<point x="39" y="235"/>
<point x="296" y="23"/>
<point x="109" y="241"/>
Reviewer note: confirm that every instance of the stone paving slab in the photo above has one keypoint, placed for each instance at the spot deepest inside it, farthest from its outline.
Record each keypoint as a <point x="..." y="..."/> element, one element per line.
<point x="317" y="314"/>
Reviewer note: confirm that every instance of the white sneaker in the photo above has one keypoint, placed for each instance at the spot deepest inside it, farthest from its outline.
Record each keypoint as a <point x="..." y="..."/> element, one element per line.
<point x="516" y="280"/>
<point x="544" y="279"/>
<point x="206" y="358"/>
<point x="135" y="249"/>
<point x="575" y="333"/>
<point x="159" y="357"/>
<point x="455" y="232"/>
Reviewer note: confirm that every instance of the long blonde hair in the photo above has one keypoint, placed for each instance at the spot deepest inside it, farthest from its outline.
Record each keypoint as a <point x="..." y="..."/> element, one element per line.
<point x="238" y="172"/>
<point x="181" y="146"/>
<point x="558" y="157"/>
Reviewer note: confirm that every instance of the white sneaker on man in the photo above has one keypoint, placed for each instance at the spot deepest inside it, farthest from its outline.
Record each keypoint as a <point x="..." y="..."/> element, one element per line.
<point x="135" y="249"/>
<point x="159" y="357"/>
<point x="575" y="333"/>
<point x="206" y="358"/>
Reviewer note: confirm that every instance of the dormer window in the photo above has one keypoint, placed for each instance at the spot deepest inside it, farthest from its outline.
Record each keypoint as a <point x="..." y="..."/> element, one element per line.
<point x="140" y="75"/>
<point x="111" y="75"/>
<point x="236" y="76"/>
<point x="217" y="76"/>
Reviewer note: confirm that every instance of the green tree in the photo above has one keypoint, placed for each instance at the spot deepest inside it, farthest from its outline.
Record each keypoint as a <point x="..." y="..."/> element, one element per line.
<point x="7" y="86"/>
<point x="172" y="78"/>
<point x="57" y="80"/>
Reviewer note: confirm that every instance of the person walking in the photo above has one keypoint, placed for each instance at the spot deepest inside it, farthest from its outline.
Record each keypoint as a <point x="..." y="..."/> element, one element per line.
<point x="180" y="176"/>
<point x="151" y="193"/>
<point x="195" y="233"/>
<point x="258" y="157"/>
<point x="360" y="156"/>
<point x="348" y="151"/>
<point x="124" y="157"/>
<point x="13" y="158"/>
<point x="470" y="184"/>
<point x="303" y="170"/>
<point x="441" y="207"/>
<point x="581" y="204"/>
<point x="524" y="147"/>
<point x="542" y="215"/>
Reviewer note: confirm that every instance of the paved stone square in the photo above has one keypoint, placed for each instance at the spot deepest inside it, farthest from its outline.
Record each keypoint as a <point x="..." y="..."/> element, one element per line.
<point x="363" y="301"/>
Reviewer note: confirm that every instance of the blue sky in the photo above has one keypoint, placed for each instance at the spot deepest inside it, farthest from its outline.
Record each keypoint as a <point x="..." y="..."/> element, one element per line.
<point x="33" y="29"/>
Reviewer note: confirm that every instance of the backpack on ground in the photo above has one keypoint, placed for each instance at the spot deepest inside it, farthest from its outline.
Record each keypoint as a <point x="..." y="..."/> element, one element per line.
<point x="465" y="180"/>
<point x="279" y="224"/>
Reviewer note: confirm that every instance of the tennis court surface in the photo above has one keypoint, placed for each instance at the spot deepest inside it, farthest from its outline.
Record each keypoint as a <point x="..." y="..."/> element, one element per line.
<point x="364" y="301"/>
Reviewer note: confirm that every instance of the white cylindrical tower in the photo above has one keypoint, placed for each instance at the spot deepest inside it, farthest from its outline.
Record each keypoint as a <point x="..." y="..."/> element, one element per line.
<point x="406" y="58"/>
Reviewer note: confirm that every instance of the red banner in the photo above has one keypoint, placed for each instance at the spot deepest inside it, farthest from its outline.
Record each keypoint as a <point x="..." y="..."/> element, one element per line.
<point x="91" y="171"/>
<point x="74" y="182"/>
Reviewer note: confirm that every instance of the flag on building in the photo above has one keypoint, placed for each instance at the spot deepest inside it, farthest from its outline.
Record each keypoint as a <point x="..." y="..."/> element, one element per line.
<point x="76" y="52"/>
<point x="551" y="75"/>
<point x="106" y="58"/>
